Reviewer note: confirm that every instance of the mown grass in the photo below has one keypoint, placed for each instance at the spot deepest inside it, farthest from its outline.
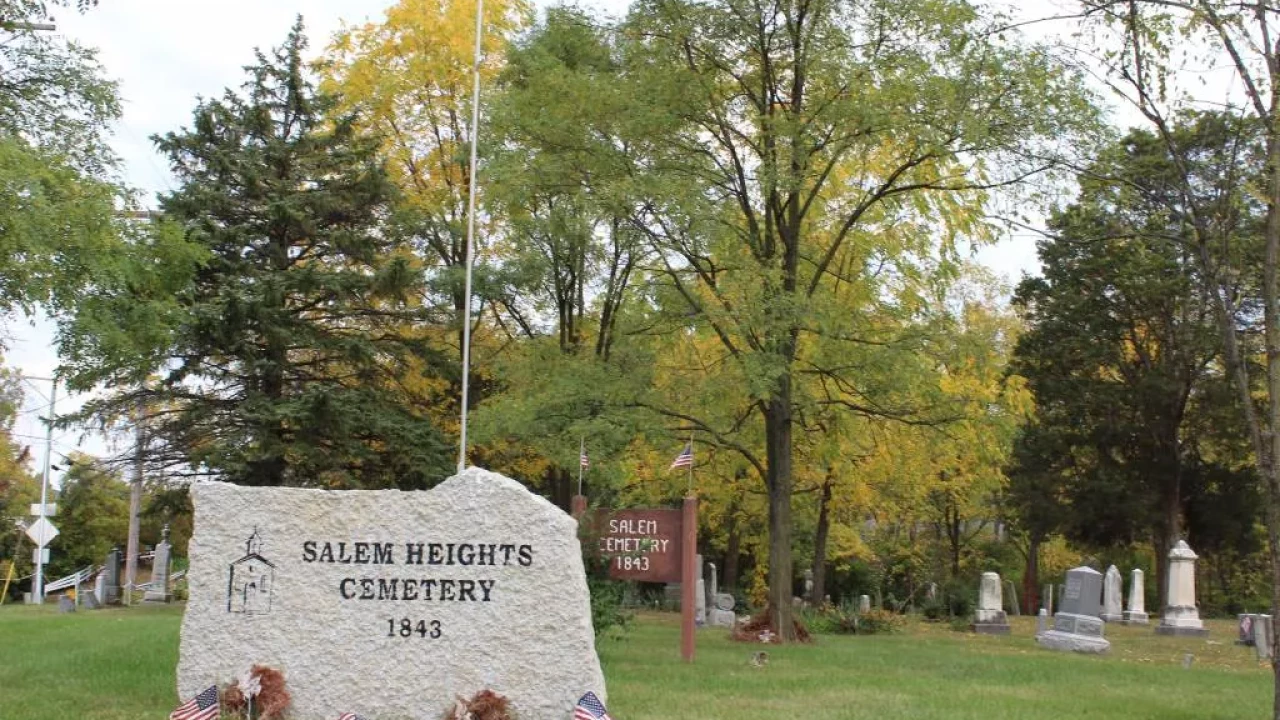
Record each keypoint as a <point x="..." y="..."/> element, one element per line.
<point x="119" y="664"/>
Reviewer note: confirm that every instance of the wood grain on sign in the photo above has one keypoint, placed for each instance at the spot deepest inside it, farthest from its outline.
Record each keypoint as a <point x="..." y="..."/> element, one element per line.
<point x="640" y="544"/>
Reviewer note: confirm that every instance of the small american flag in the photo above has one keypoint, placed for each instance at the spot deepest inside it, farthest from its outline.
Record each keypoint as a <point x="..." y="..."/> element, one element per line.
<point x="350" y="716"/>
<point x="590" y="708"/>
<point x="684" y="459"/>
<point x="201" y="707"/>
<point x="582" y="459"/>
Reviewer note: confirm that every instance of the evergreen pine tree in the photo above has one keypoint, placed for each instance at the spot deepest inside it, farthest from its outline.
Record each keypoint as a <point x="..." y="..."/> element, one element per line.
<point x="285" y="367"/>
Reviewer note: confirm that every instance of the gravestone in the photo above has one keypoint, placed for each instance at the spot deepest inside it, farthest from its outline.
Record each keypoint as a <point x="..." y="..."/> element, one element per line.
<point x="808" y="586"/>
<point x="160" y="570"/>
<point x="1244" y="628"/>
<point x="90" y="599"/>
<point x="99" y="586"/>
<point x="864" y="604"/>
<point x="720" y="607"/>
<point x="111" y="586"/>
<point x="699" y="595"/>
<point x="66" y="604"/>
<point x="1111" y="600"/>
<point x="1077" y="626"/>
<point x="389" y="604"/>
<point x="1042" y="621"/>
<point x="931" y="594"/>
<point x="1262" y="637"/>
<point x="990" y="617"/>
<point x="1180" y="616"/>
<point x="1137" y="612"/>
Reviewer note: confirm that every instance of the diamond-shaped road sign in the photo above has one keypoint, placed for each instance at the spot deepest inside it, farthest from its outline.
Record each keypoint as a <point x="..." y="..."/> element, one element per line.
<point x="42" y="531"/>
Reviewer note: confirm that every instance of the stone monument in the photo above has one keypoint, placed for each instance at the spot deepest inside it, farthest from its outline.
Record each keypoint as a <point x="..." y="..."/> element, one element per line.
<point x="864" y="604"/>
<point x="389" y="604"/>
<point x="1042" y="621"/>
<point x="720" y="605"/>
<point x="111" y="585"/>
<point x="1180" y="616"/>
<point x="1077" y="626"/>
<point x="699" y="595"/>
<point x="160" y="571"/>
<point x="990" y="618"/>
<point x="1137" y="612"/>
<point x="1111" y="600"/>
<point x="1262" y="637"/>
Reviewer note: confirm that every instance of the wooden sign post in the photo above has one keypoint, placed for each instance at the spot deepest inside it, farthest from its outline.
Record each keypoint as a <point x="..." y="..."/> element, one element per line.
<point x="651" y="545"/>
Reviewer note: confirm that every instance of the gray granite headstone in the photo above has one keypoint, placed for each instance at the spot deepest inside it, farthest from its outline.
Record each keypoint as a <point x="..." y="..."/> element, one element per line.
<point x="1262" y="637"/>
<point x="66" y="604"/>
<point x="1042" y="621"/>
<point x="1082" y="593"/>
<point x="111" y="586"/>
<point x="160" y="570"/>
<point x="719" y="612"/>
<point x="700" y="596"/>
<point x="1077" y="626"/>
<point x="1244" y="628"/>
<point x="90" y="599"/>
<point x="389" y="604"/>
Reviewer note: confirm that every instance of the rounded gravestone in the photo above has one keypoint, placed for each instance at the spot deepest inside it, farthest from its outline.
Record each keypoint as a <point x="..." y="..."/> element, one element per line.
<point x="388" y="604"/>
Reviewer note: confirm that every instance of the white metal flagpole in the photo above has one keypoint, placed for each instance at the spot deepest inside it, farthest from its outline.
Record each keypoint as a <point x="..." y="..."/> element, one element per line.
<point x="582" y="452"/>
<point x="471" y="229"/>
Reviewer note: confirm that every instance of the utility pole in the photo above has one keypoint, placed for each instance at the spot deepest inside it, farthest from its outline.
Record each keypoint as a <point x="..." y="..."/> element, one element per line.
<point x="135" y="505"/>
<point x="38" y="587"/>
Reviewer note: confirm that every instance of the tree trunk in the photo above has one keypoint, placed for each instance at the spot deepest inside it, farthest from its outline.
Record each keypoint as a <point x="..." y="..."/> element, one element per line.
<point x="733" y="548"/>
<point x="777" y="426"/>
<point x="1031" y="577"/>
<point x="820" y="543"/>
<point x="1270" y="453"/>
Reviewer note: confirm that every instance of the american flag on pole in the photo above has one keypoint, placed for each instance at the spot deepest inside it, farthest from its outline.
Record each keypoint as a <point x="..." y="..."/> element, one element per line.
<point x="684" y="459"/>
<point x="583" y="462"/>
<point x="590" y="708"/>
<point x="350" y="716"/>
<point x="201" y="707"/>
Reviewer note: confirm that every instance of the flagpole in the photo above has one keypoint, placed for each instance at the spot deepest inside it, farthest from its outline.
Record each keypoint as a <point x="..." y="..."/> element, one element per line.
<point x="690" y="462"/>
<point x="471" y="230"/>
<point x="582" y="449"/>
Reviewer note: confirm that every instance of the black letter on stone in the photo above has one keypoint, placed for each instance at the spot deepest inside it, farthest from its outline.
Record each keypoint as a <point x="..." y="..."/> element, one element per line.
<point x="342" y="588"/>
<point x="413" y="553"/>
<point x="382" y="554"/>
<point x="526" y="555"/>
<point x="309" y="551"/>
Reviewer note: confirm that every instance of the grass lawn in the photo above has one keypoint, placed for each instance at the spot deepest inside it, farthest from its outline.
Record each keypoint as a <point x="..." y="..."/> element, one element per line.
<point x="119" y="665"/>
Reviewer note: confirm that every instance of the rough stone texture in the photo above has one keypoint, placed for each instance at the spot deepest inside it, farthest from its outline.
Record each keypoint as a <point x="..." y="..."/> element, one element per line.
<point x="1081" y="595"/>
<point x="1111" y="600"/>
<point x="531" y="642"/>
<point x="1137" y="612"/>
<point x="1180" y="616"/>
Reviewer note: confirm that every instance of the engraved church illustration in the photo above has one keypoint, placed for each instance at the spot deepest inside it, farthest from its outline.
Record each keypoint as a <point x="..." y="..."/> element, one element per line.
<point x="252" y="577"/>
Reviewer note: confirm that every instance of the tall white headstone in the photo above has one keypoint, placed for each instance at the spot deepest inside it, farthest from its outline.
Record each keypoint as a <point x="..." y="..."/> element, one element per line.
<point x="1137" y="612"/>
<point x="1111" y="588"/>
<point x="990" y="617"/>
<point x="389" y="604"/>
<point x="1180" y="616"/>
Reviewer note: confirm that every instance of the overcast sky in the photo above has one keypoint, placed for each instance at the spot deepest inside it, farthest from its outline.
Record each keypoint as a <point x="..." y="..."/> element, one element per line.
<point x="165" y="55"/>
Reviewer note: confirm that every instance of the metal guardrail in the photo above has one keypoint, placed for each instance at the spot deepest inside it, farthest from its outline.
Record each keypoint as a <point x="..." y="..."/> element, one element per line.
<point x="72" y="580"/>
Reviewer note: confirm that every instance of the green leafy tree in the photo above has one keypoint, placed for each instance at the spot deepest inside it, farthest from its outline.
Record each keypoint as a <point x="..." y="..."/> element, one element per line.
<point x="93" y="516"/>
<point x="281" y="362"/>
<point x="806" y="171"/>
<point x="1121" y="346"/>
<point x="57" y="194"/>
